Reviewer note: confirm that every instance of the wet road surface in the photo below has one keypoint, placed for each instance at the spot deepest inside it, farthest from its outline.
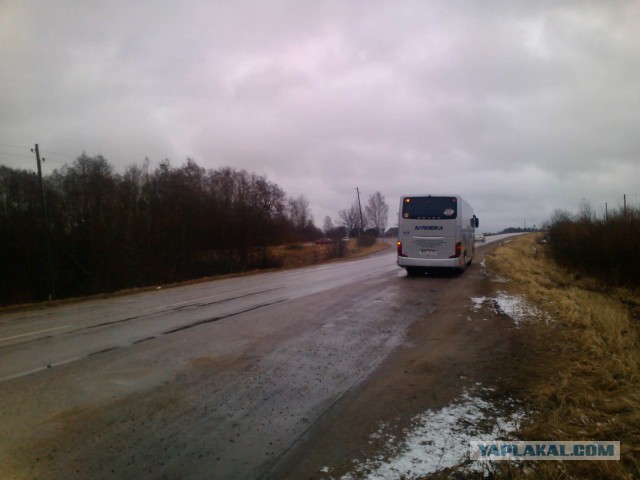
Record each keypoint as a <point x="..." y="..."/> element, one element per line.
<point x="214" y="380"/>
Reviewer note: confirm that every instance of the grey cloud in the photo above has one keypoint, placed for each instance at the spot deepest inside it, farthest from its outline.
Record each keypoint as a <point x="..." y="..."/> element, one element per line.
<point x="524" y="106"/>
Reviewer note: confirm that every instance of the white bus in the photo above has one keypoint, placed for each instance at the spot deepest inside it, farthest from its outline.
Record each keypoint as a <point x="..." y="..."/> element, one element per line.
<point x="435" y="232"/>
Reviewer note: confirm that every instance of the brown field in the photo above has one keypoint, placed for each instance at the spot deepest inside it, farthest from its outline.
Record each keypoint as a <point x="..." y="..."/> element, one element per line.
<point x="580" y="376"/>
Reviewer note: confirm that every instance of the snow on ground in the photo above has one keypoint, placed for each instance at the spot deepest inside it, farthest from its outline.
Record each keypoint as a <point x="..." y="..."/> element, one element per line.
<point x="513" y="306"/>
<point x="440" y="439"/>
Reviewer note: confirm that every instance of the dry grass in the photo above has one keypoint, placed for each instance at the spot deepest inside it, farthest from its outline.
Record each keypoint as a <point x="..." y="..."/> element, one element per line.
<point x="584" y="380"/>
<point x="299" y="255"/>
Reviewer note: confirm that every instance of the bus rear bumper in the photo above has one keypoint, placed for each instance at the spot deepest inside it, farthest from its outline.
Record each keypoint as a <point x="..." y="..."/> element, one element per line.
<point x="431" y="263"/>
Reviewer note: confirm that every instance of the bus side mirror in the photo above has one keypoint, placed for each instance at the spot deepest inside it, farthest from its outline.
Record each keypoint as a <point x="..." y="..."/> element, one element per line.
<point x="475" y="222"/>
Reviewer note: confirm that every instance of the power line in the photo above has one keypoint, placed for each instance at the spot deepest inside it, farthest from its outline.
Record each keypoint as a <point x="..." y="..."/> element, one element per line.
<point x="49" y="152"/>
<point x="11" y="154"/>
<point x="14" y="146"/>
<point x="28" y="149"/>
<point x="49" y="160"/>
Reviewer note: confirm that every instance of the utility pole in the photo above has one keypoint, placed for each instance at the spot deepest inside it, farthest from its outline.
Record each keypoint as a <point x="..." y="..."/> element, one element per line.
<point x="624" y="200"/>
<point x="47" y="238"/>
<point x="360" y="207"/>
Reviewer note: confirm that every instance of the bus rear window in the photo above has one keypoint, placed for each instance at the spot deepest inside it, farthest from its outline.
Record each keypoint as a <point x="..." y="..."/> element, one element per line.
<point x="429" y="208"/>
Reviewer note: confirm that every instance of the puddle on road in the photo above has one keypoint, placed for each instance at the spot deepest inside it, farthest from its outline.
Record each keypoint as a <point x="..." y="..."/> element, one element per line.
<point x="438" y="440"/>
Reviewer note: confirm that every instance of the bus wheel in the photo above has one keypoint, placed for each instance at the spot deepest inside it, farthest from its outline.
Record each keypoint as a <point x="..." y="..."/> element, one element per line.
<point x="463" y="266"/>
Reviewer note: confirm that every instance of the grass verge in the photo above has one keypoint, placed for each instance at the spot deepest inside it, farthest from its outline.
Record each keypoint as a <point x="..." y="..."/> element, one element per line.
<point x="584" y="381"/>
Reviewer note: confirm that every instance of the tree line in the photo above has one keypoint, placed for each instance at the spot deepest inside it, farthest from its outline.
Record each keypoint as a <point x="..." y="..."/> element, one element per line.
<point x="606" y="247"/>
<point x="111" y="231"/>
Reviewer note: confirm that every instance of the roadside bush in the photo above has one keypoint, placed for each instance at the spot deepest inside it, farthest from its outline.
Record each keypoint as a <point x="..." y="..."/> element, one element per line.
<point x="366" y="240"/>
<point x="608" y="249"/>
<point x="235" y="260"/>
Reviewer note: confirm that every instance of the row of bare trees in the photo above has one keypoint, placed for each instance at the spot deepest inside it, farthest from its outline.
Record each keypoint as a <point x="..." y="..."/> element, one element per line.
<point x="110" y="231"/>
<point x="351" y="221"/>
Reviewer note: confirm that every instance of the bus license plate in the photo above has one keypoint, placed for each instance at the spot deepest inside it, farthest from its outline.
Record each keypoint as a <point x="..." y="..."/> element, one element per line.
<point x="428" y="253"/>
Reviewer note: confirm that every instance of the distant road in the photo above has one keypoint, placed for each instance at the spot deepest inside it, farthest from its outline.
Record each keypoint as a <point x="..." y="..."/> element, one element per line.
<point x="497" y="238"/>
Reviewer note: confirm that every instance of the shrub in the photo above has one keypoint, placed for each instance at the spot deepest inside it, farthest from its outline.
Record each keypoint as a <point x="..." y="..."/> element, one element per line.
<point x="608" y="249"/>
<point x="366" y="240"/>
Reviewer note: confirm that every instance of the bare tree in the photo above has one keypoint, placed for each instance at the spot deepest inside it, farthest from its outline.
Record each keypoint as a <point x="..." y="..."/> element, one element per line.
<point x="299" y="212"/>
<point x="377" y="212"/>
<point x="350" y="218"/>
<point x="327" y="226"/>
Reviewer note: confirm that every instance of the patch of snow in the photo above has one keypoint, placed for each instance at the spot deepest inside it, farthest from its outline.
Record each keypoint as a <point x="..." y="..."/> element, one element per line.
<point x="513" y="306"/>
<point x="477" y="302"/>
<point x="440" y="440"/>
<point x="499" y="279"/>
<point x="518" y="308"/>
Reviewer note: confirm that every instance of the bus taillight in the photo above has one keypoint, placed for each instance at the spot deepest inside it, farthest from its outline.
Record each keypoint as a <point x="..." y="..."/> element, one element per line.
<point x="400" y="254"/>
<point x="458" y="250"/>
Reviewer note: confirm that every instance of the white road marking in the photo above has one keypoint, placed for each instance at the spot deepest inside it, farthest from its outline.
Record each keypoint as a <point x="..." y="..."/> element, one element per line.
<point x="40" y="369"/>
<point x="34" y="333"/>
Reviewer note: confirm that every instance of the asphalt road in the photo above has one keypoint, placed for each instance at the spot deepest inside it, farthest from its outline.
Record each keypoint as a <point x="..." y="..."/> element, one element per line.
<point x="41" y="339"/>
<point x="213" y="380"/>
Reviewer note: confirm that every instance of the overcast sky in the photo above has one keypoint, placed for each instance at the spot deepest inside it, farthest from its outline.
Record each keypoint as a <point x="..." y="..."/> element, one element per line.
<point x="522" y="107"/>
